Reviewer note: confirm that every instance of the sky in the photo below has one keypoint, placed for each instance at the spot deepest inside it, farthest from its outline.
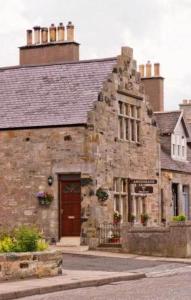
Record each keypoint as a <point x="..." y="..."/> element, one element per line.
<point x="157" y="30"/>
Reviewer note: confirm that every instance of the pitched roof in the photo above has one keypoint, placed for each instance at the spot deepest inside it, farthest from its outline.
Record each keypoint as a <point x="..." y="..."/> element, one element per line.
<point x="167" y="163"/>
<point x="166" y="121"/>
<point x="50" y="95"/>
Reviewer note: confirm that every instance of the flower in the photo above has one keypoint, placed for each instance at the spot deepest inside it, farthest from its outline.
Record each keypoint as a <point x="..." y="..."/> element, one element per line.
<point x="116" y="216"/>
<point x="40" y="194"/>
<point x="44" y="198"/>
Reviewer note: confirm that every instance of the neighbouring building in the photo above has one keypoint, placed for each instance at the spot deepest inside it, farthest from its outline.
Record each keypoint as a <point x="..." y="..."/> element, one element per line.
<point x="72" y="128"/>
<point x="175" y="165"/>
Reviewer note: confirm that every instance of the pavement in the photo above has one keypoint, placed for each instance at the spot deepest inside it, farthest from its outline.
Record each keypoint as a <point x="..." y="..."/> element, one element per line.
<point x="69" y="280"/>
<point x="94" y="268"/>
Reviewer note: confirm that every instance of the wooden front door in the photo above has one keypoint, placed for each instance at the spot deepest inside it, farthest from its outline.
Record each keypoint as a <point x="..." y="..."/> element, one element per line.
<point x="70" y="208"/>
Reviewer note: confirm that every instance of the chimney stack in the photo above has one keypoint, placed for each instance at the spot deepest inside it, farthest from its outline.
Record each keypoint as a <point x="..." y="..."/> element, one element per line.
<point x="70" y="32"/>
<point x="37" y="35"/>
<point x="61" y="32"/>
<point x="44" y="35"/>
<point x="52" y="32"/>
<point x="49" y="45"/>
<point x="154" y="85"/>
<point x="29" y="37"/>
<point x="148" y="69"/>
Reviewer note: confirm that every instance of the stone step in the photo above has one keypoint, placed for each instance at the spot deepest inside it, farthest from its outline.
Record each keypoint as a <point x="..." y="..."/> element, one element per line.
<point x="73" y="241"/>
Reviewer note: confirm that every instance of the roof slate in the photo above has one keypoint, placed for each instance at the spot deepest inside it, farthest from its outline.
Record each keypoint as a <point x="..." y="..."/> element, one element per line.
<point x="51" y="95"/>
<point x="167" y="163"/>
<point x="167" y="121"/>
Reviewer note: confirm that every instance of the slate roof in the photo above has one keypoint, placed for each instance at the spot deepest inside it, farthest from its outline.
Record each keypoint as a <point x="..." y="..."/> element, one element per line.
<point x="167" y="121"/>
<point x="167" y="163"/>
<point x="51" y="95"/>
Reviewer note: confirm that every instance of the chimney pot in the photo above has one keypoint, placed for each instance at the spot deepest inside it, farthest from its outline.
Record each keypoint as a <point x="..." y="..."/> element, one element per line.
<point x="70" y="32"/>
<point x="52" y="32"/>
<point x="29" y="37"/>
<point x="148" y="69"/>
<point x="142" y="70"/>
<point x="185" y="101"/>
<point x="44" y="35"/>
<point x="36" y="34"/>
<point x="61" y="32"/>
<point x="157" y="70"/>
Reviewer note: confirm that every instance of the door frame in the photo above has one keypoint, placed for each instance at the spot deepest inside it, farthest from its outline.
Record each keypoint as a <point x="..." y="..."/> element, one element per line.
<point x="63" y="177"/>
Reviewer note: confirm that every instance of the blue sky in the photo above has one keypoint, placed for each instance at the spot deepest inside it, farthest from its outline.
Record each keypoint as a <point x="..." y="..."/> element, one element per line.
<point x="158" y="30"/>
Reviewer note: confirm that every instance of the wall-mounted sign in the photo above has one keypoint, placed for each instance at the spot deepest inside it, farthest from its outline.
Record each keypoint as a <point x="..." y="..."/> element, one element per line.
<point x="143" y="189"/>
<point x="143" y="181"/>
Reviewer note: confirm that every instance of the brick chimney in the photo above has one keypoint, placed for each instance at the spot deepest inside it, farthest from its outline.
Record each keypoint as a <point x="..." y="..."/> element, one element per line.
<point x="185" y="106"/>
<point x="154" y="85"/>
<point x="49" y="45"/>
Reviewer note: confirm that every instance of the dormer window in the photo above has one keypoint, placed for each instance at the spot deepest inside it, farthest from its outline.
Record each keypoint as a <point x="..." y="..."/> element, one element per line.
<point x="178" y="147"/>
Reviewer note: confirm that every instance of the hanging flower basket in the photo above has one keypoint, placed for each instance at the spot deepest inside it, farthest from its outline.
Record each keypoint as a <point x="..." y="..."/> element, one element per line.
<point x="116" y="217"/>
<point x="45" y="199"/>
<point x="102" y="194"/>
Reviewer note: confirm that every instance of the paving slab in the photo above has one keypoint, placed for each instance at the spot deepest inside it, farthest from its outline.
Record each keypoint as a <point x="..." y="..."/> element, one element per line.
<point x="70" y="279"/>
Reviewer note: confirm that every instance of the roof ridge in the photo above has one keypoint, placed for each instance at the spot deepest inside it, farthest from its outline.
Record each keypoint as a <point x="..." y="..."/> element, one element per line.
<point x="167" y="112"/>
<point x="59" y="63"/>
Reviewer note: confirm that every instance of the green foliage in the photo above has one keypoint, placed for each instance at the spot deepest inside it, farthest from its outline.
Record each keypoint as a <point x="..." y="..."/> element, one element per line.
<point x="179" y="218"/>
<point x="6" y="244"/>
<point x="102" y="194"/>
<point x="26" y="239"/>
<point x="41" y="245"/>
<point x="22" y="239"/>
<point x="144" y="217"/>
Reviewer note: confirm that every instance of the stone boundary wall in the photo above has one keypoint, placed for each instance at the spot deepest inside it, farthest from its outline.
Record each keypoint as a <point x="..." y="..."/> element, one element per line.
<point x="31" y="264"/>
<point x="171" y="241"/>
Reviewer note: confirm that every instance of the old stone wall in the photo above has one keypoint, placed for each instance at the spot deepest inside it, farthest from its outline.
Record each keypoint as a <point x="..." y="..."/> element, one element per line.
<point x="26" y="265"/>
<point x="172" y="241"/>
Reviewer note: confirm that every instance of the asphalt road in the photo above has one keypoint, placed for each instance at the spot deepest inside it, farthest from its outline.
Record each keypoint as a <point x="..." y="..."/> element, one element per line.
<point x="109" y="264"/>
<point x="164" y="288"/>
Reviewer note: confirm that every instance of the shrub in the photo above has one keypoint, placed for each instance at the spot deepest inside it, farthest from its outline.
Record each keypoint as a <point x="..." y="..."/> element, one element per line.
<point x="22" y="239"/>
<point x="41" y="245"/>
<point x="180" y="218"/>
<point x="6" y="244"/>
<point x="26" y="239"/>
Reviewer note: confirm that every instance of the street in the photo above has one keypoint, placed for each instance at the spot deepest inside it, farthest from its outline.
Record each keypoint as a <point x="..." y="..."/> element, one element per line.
<point x="164" y="288"/>
<point x="165" y="280"/>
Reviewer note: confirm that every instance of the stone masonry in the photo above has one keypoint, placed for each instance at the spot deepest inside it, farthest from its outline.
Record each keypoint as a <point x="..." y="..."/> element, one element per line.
<point x="29" y="156"/>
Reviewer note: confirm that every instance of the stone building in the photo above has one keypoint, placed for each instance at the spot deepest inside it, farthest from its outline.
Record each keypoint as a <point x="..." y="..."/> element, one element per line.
<point x="72" y="128"/>
<point x="175" y="165"/>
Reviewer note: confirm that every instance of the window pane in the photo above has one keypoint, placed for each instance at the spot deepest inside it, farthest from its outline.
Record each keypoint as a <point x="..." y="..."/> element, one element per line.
<point x="132" y="111"/>
<point x="120" y="107"/>
<point x="118" y="181"/>
<point x="117" y="203"/>
<point x="183" y="151"/>
<point x="138" y="131"/>
<point x="121" y="128"/>
<point x="124" y="185"/>
<point x="132" y="130"/>
<point x="126" y="129"/>
<point x="178" y="150"/>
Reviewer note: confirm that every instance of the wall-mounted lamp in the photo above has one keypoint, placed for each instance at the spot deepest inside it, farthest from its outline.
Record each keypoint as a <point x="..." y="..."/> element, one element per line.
<point x="50" y="180"/>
